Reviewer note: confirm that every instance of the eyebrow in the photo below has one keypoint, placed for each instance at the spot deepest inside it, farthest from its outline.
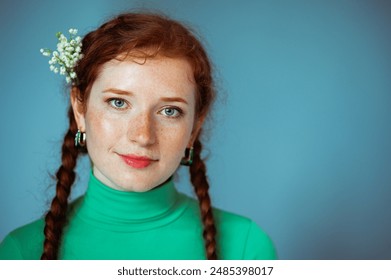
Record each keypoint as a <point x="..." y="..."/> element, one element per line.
<point x="165" y="99"/>
<point x="118" y="91"/>
<point x="174" y="99"/>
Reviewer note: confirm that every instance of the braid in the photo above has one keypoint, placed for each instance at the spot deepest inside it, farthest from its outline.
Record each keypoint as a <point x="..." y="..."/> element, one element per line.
<point x="56" y="216"/>
<point x="201" y="186"/>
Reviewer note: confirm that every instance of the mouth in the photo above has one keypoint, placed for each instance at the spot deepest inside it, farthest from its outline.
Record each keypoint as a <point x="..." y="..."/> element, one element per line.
<point x="137" y="162"/>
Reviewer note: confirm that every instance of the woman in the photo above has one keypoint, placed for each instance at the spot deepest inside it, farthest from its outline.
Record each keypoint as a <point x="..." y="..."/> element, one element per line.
<point x="141" y="90"/>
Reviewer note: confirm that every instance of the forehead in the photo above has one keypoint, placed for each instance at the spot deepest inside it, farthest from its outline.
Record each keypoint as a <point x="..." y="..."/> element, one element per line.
<point x="158" y="75"/>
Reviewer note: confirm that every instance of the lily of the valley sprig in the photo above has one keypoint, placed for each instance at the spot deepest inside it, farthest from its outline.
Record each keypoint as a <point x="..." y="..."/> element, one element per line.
<point x="65" y="58"/>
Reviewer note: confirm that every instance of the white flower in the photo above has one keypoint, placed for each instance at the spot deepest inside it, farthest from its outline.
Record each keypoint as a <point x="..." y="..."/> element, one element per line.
<point x="65" y="58"/>
<point x="70" y="49"/>
<point x="73" y="31"/>
<point x="45" y="52"/>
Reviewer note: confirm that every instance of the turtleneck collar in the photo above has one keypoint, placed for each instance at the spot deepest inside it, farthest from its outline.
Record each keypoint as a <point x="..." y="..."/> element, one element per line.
<point x="112" y="209"/>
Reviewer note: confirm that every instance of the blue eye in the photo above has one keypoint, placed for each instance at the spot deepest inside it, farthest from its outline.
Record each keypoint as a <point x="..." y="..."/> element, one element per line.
<point x="117" y="103"/>
<point x="171" y="112"/>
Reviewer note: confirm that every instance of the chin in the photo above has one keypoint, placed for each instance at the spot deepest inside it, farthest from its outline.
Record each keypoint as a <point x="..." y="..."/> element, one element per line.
<point x="137" y="188"/>
<point x="136" y="184"/>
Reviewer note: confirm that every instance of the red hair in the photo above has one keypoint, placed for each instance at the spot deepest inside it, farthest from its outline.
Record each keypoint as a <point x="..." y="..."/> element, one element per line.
<point x="145" y="36"/>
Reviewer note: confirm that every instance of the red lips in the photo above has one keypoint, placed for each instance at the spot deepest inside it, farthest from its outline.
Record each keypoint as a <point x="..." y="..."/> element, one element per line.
<point x="137" y="161"/>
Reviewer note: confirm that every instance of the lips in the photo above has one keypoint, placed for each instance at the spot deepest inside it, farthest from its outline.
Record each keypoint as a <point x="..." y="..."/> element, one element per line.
<point x="138" y="162"/>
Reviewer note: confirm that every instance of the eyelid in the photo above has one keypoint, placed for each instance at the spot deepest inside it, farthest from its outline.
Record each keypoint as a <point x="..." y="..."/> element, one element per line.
<point x="179" y="110"/>
<point x="126" y="103"/>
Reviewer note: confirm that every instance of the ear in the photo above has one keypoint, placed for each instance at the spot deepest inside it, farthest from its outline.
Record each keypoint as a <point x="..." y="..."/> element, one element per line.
<point x="196" y="130"/>
<point x="78" y="109"/>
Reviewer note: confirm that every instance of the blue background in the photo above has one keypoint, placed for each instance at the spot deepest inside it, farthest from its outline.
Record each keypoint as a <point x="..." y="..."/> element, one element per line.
<point x="300" y="140"/>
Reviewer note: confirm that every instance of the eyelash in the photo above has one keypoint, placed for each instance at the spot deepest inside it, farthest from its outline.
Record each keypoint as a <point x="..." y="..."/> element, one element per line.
<point x="112" y="100"/>
<point x="178" y="110"/>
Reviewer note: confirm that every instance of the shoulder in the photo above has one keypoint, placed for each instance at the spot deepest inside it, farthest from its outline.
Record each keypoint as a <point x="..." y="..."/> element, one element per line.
<point x="24" y="242"/>
<point x="241" y="238"/>
<point x="237" y="237"/>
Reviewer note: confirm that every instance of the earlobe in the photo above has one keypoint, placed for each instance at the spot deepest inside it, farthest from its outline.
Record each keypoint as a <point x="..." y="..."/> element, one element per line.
<point x="78" y="108"/>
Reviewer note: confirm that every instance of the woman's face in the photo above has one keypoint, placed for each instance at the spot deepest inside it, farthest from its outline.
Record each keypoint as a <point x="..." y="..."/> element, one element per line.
<point x="138" y="121"/>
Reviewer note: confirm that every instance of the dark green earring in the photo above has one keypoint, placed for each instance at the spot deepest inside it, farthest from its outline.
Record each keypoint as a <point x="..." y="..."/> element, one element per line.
<point x="188" y="159"/>
<point x="80" y="139"/>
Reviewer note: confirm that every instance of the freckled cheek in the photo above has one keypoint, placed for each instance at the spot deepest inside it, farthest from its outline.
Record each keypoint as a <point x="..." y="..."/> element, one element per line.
<point x="174" y="142"/>
<point x="102" y="128"/>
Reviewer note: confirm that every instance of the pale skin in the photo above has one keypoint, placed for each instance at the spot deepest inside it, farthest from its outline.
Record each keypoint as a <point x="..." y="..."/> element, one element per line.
<point x="143" y="110"/>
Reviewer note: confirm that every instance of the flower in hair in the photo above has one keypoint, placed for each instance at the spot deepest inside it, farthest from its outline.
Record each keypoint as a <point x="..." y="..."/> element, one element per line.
<point x="65" y="58"/>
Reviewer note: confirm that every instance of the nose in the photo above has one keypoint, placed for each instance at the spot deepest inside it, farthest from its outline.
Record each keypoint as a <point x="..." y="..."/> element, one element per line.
<point x="142" y="130"/>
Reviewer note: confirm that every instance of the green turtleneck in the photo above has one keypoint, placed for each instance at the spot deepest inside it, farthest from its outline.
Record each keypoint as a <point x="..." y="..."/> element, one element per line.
<point x="159" y="224"/>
